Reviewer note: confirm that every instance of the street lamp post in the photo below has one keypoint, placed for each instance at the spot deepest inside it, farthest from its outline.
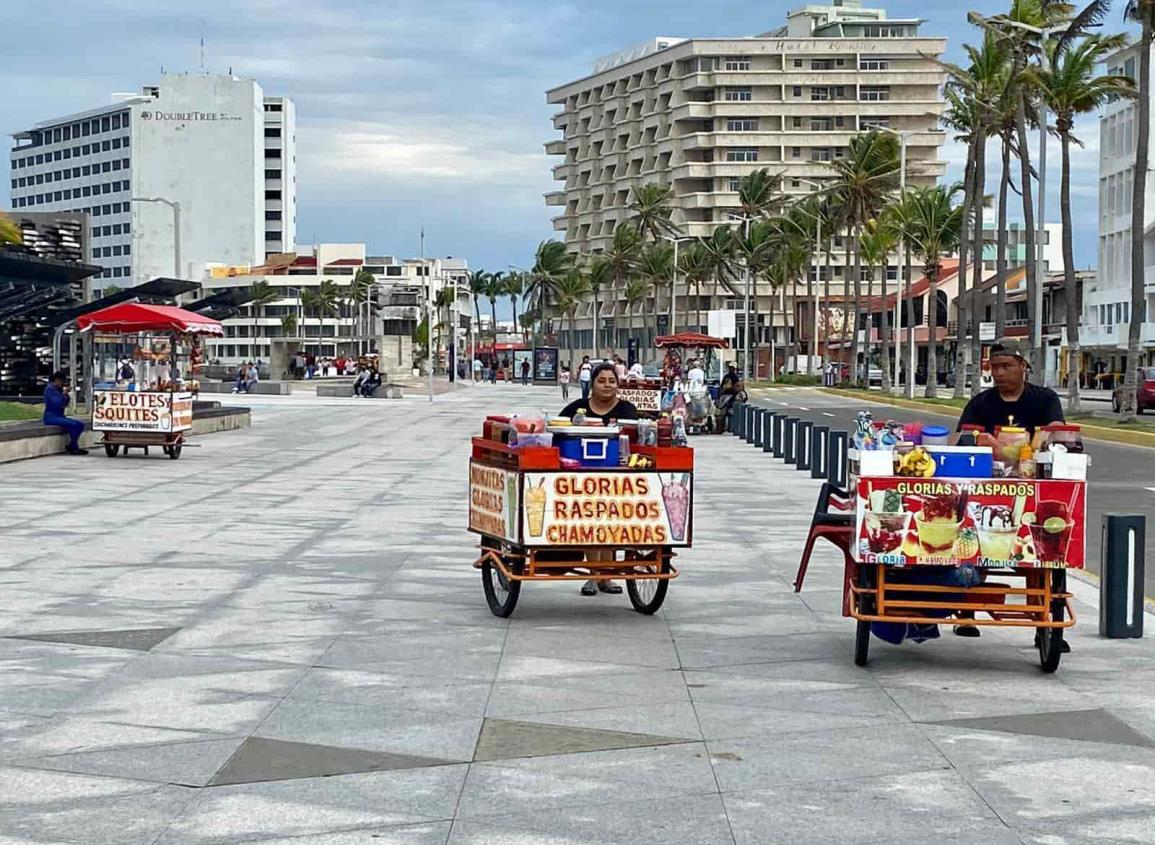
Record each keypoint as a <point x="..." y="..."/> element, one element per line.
<point x="818" y="186"/>
<point x="746" y="369"/>
<point x="175" y="206"/>
<point x="676" y="241"/>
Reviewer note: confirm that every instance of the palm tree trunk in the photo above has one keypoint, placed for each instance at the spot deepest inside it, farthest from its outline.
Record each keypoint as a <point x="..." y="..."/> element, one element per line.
<point x="932" y="272"/>
<point x="1070" y="283"/>
<point x="813" y="345"/>
<point x="597" y="319"/>
<point x="884" y="328"/>
<point x="1138" y="217"/>
<point x="1001" y="256"/>
<point x="869" y="325"/>
<point x="974" y="315"/>
<point x="826" y="294"/>
<point x="513" y="302"/>
<point x="857" y="306"/>
<point x="772" y="368"/>
<point x="963" y="255"/>
<point x="1029" y="226"/>
<point x="572" y="333"/>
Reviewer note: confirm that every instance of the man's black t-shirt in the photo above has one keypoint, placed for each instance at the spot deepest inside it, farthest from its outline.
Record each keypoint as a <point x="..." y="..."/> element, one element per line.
<point x="623" y="410"/>
<point x="1038" y="406"/>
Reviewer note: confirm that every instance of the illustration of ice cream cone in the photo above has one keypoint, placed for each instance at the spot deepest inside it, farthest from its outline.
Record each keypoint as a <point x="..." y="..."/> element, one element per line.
<point x="676" y="497"/>
<point x="535" y="509"/>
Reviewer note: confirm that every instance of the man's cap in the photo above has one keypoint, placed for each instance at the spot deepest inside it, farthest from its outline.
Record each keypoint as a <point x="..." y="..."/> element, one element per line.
<point x="1014" y="348"/>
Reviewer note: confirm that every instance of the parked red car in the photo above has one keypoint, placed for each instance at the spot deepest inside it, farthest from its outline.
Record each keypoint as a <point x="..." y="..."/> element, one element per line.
<point x="1145" y="390"/>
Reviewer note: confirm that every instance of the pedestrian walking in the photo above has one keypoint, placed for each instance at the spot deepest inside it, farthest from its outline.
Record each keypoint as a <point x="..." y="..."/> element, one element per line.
<point x="585" y="371"/>
<point x="477" y="367"/>
<point x="564" y="379"/>
<point x="525" y="373"/>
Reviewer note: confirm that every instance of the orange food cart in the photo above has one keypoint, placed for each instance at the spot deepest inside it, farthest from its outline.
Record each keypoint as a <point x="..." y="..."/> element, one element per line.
<point x="540" y="520"/>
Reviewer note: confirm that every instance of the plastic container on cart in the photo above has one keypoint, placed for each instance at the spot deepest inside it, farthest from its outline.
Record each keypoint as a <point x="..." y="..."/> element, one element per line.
<point x="589" y="445"/>
<point x="1069" y="436"/>
<point x="935" y="435"/>
<point x="962" y="461"/>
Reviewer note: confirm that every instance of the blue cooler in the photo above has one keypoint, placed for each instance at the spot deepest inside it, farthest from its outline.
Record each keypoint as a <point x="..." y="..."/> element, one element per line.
<point x="591" y="447"/>
<point x="962" y="461"/>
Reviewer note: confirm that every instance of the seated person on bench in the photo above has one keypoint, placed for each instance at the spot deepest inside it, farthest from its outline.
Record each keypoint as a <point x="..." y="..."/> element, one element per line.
<point x="55" y="402"/>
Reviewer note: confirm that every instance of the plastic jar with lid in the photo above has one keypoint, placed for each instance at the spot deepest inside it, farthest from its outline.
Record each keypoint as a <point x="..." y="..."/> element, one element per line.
<point x="1069" y="436"/>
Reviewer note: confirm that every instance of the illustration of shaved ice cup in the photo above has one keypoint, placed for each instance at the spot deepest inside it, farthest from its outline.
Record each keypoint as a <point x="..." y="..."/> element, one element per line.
<point x="936" y="536"/>
<point x="535" y="509"/>
<point x="1051" y="531"/>
<point x="998" y="543"/>
<point x="676" y="497"/>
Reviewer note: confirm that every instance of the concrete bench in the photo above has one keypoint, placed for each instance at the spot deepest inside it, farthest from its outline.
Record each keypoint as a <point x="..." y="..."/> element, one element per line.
<point x="261" y="388"/>
<point x="337" y="389"/>
<point x="33" y="439"/>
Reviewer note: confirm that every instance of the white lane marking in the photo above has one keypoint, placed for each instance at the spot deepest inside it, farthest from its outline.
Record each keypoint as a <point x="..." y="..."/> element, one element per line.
<point x="827" y="414"/>
<point x="784" y="404"/>
<point x="800" y="408"/>
<point x="1152" y="489"/>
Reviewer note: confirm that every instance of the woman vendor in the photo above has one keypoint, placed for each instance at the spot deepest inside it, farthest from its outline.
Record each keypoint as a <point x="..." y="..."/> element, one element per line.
<point x="603" y="403"/>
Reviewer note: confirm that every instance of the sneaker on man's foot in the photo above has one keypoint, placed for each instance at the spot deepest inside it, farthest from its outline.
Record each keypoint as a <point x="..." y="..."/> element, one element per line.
<point x="78" y="451"/>
<point x="589" y="588"/>
<point x="967" y="631"/>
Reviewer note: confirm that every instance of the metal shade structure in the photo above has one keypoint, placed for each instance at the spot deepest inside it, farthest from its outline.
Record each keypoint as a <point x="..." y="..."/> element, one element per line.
<point x="130" y="317"/>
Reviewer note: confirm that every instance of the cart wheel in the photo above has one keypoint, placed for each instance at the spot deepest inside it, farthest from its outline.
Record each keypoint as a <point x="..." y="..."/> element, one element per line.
<point x="647" y="596"/>
<point x="173" y="451"/>
<point x="111" y="449"/>
<point x="501" y="593"/>
<point x="862" y="644"/>
<point x="1051" y="639"/>
<point x="862" y="629"/>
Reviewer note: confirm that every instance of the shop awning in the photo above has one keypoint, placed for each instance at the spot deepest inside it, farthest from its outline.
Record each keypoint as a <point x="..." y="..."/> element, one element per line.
<point x="130" y="317"/>
<point x="692" y="339"/>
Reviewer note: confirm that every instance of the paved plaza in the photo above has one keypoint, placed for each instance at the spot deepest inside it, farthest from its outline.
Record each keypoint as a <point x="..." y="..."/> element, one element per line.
<point x="280" y="639"/>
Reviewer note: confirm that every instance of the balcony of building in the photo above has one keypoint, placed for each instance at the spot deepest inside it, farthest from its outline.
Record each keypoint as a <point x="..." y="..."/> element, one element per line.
<point x="555" y="148"/>
<point x="555" y="198"/>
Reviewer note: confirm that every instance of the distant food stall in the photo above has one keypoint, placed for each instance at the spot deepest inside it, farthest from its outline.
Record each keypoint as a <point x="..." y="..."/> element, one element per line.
<point x="147" y="400"/>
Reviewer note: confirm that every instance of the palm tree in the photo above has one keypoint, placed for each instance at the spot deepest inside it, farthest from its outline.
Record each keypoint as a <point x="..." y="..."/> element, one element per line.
<point x="262" y="294"/>
<point x="322" y="301"/>
<point x="359" y="295"/>
<point x="443" y="302"/>
<point x="650" y="208"/>
<point x="476" y="292"/>
<point x="878" y="242"/>
<point x="289" y="325"/>
<point x="759" y="193"/>
<point x="1070" y="86"/>
<point x="720" y="264"/>
<point x="1143" y="13"/>
<point x="656" y="265"/>
<point x="863" y="182"/>
<point x="694" y="265"/>
<point x="514" y="288"/>
<point x="637" y="291"/>
<point x="621" y="257"/>
<point x="571" y="289"/>
<point x="494" y="287"/>
<point x="10" y="233"/>
<point x="932" y="225"/>
<point x="599" y="275"/>
<point x="754" y="245"/>
<point x="551" y="262"/>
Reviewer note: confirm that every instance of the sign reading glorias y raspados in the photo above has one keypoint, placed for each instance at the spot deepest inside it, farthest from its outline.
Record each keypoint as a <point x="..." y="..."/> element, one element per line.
<point x="989" y="522"/>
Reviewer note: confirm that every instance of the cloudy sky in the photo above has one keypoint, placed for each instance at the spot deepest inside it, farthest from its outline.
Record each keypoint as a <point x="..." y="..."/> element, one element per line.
<point x="409" y="112"/>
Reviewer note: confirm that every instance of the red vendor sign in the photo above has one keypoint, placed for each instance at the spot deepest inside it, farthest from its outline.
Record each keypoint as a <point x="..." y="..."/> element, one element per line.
<point x="982" y="522"/>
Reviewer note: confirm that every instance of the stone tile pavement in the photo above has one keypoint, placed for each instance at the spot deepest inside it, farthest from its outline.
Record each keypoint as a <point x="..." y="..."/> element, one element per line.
<point x="280" y="639"/>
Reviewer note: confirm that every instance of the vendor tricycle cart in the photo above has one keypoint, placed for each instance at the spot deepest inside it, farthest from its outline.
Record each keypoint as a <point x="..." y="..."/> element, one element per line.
<point x="539" y="521"/>
<point x="971" y="551"/>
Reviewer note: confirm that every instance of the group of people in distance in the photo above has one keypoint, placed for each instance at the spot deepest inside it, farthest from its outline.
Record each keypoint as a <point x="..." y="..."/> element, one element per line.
<point x="368" y="377"/>
<point x="304" y="366"/>
<point x="248" y="377"/>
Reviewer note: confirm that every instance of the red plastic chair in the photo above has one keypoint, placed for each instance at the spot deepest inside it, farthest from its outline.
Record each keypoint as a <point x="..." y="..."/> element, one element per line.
<point x="833" y="521"/>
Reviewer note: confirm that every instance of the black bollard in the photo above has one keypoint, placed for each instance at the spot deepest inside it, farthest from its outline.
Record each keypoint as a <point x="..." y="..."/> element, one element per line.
<point x="819" y="451"/>
<point x="736" y="418"/>
<point x="802" y="449"/>
<point x="790" y="441"/>
<point x="748" y="425"/>
<point x="1121" y="584"/>
<point x="779" y="435"/>
<point x="759" y="413"/>
<point x="836" y="462"/>
<point x="768" y="431"/>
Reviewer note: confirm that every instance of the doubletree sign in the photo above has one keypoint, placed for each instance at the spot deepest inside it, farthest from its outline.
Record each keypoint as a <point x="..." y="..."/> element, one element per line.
<point x="188" y="116"/>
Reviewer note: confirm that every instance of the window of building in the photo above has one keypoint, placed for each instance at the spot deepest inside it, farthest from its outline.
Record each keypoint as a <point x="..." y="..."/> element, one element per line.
<point x="738" y="95"/>
<point x="273" y="107"/>
<point x="872" y="31"/>
<point x="742" y="124"/>
<point x="272" y="132"/>
<point x="734" y="185"/>
<point x="105" y="124"/>
<point x="743" y="154"/>
<point x="116" y="121"/>
<point x="797" y="92"/>
<point x="272" y="153"/>
<point x="821" y="154"/>
<point x="272" y="174"/>
<point x="272" y="195"/>
<point x="736" y="63"/>
<point x="874" y="93"/>
<point x="272" y="215"/>
<point x="796" y="152"/>
<point x="874" y="64"/>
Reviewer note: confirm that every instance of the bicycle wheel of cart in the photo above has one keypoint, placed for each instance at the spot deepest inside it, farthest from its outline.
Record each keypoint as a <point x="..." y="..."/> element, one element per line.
<point x="111" y="449"/>
<point x="647" y="595"/>
<point x="500" y="592"/>
<point x="862" y="629"/>
<point x="1050" y="640"/>
<point x="173" y="451"/>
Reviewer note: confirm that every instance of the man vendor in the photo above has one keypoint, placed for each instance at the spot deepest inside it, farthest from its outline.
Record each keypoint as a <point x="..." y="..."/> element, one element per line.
<point x="1013" y="400"/>
<point x="55" y="402"/>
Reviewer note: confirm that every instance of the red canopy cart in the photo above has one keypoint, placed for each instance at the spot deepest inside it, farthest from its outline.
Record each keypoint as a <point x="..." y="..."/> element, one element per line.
<point x="154" y="407"/>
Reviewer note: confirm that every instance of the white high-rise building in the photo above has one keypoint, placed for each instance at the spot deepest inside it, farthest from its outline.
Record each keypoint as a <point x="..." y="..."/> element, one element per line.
<point x="213" y="145"/>
<point x="698" y="114"/>
<point x="1107" y="303"/>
